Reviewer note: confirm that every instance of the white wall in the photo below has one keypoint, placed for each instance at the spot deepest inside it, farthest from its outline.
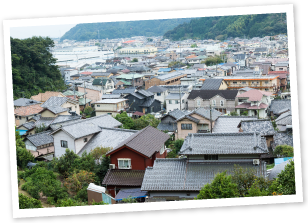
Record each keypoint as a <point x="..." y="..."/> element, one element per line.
<point x="57" y="137"/>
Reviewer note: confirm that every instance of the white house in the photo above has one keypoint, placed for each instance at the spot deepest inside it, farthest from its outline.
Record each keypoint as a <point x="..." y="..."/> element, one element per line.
<point x="176" y="101"/>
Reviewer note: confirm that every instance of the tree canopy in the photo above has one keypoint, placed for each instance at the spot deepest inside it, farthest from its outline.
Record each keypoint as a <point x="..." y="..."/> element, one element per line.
<point x="33" y="67"/>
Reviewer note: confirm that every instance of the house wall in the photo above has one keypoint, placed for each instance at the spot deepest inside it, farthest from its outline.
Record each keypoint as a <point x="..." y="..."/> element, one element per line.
<point x="61" y="135"/>
<point x="96" y="196"/>
<point x="93" y="95"/>
<point x="223" y="86"/>
<point x="74" y="107"/>
<point x="79" y="143"/>
<point x="48" y="113"/>
<point x="29" y="145"/>
<point x="171" y="195"/>
<point x="138" y="162"/>
<point x="182" y="133"/>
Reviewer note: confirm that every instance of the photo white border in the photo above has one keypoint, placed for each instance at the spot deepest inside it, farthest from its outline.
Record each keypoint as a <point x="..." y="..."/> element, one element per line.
<point x="17" y="213"/>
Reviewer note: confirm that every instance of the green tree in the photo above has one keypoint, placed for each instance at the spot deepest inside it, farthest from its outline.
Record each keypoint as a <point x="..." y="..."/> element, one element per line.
<point x="99" y="151"/>
<point x="23" y="156"/>
<point x="135" y="60"/>
<point x="127" y="121"/>
<point x="221" y="187"/>
<point x="64" y="164"/>
<point x="193" y="45"/>
<point x="76" y="181"/>
<point x="144" y="121"/>
<point x="40" y="128"/>
<point x="33" y="67"/>
<point x="285" y="182"/>
<point x="97" y="44"/>
<point x="101" y="169"/>
<point x="175" y="64"/>
<point x="284" y="151"/>
<point x="27" y="202"/>
<point x="67" y="202"/>
<point x="210" y="61"/>
<point x="88" y="111"/>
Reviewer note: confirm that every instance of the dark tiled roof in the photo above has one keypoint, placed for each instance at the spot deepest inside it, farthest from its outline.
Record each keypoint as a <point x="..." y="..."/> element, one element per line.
<point x="167" y="127"/>
<point x="207" y="94"/>
<point x="211" y="84"/>
<point x="29" y="125"/>
<point x="148" y="102"/>
<point x="284" y="119"/>
<point x="41" y="138"/>
<point x="176" y="113"/>
<point x="145" y="93"/>
<point x="44" y="121"/>
<point x="155" y="89"/>
<point x="113" y="96"/>
<point x="123" y="177"/>
<point x="146" y="141"/>
<point x="278" y="105"/>
<point x="281" y="138"/>
<point x="54" y="101"/>
<point x="228" y="124"/>
<point x="25" y="102"/>
<point x="223" y="143"/>
<point x="190" y="118"/>
<point x="56" y="109"/>
<point x="264" y="127"/>
<point x="180" y="175"/>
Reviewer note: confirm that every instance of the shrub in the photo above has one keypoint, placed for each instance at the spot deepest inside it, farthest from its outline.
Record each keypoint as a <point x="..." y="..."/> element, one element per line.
<point x="27" y="202"/>
<point x="69" y="202"/>
<point x="75" y="182"/>
<point x="129" y="199"/>
<point x="82" y="195"/>
<point x="98" y="152"/>
<point x="50" y="200"/>
<point x="64" y="164"/>
<point x="285" y="182"/>
<point x="101" y="169"/>
<point x="256" y="189"/>
<point x="221" y="187"/>
<point x="98" y="203"/>
<point x="284" y="151"/>
<point x="23" y="157"/>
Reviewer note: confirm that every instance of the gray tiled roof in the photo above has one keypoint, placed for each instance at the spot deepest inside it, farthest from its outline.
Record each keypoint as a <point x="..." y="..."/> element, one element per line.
<point x="146" y="141"/>
<point x="108" y="96"/>
<point x="228" y="124"/>
<point x="207" y="114"/>
<point x="281" y="138"/>
<point x="176" y="113"/>
<point x="124" y="91"/>
<point x="264" y="127"/>
<point x="57" y="109"/>
<point x="223" y="143"/>
<point x="190" y="118"/>
<point x="84" y="127"/>
<point x="278" y="105"/>
<point x="277" y="169"/>
<point x="145" y="93"/>
<point x="284" y="119"/>
<point x="123" y="177"/>
<point x="65" y="118"/>
<point x="25" y="102"/>
<point x="180" y="175"/>
<point x="41" y="138"/>
<point x="29" y="125"/>
<point x="155" y="89"/>
<point x="148" y="102"/>
<point x="167" y="127"/>
<point x="46" y="121"/>
<point x="107" y="137"/>
<point x="211" y="84"/>
<point x="139" y="96"/>
<point x="54" y="102"/>
<point x="172" y="96"/>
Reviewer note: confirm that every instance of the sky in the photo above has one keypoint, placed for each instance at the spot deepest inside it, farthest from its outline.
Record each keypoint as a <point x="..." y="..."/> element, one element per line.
<point x="52" y="31"/>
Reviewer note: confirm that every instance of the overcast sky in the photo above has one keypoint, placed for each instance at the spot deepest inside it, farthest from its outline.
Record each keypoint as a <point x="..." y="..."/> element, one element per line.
<point x="51" y="31"/>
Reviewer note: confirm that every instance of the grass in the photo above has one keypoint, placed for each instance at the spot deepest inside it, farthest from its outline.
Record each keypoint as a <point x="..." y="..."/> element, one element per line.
<point x="270" y="166"/>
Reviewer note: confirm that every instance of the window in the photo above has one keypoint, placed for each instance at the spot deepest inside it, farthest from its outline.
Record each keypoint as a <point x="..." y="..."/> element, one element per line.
<point x="170" y="101"/>
<point x="186" y="126"/>
<point x="158" y="94"/>
<point x="213" y="102"/>
<point x="124" y="164"/>
<point x="64" y="144"/>
<point x="221" y="103"/>
<point x="198" y="103"/>
<point x="183" y="101"/>
<point x="98" y="106"/>
<point x="211" y="157"/>
<point x="176" y="101"/>
<point x="243" y="82"/>
<point x="280" y="68"/>
<point x="146" y="110"/>
<point x="109" y="113"/>
<point x="70" y="108"/>
<point x="266" y="82"/>
<point x="85" y="140"/>
<point x="234" y="82"/>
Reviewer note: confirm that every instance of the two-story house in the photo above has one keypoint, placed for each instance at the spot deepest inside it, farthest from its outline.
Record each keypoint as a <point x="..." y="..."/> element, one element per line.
<point x="130" y="158"/>
<point x="110" y="106"/>
<point x="206" y="155"/>
<point x="143" y="101"/>
<point x="254" y="102"/>
<point x="176" y="101"/>
<point x="222" y="100"/>
<point x="105" y="84"/>
<point x="160" y="93"/>
<point x="23" y="114"/>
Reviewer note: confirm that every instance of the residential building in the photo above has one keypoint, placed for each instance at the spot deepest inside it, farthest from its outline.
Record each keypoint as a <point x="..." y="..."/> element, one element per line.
<point x="91" y="92"/>
<point x="283" y="77"/>
<point x="279" y="106"/>
<point x="160" y="93"/>
<point x="168" y="121"/>
<point x="222" y="100"/>
<point x="105" y="84"/>
<point x="229" y="124"/>
<point x="172" y="78"/>
<point x="25" y="113"/>
<point x="55" y="106"/>
<point x="254" y="102"/>
<point x="214" y="84"/>
<point x="21" y="102"/>
<point x="76" y="134"/>
<point x="42" y="97"/>
<point x="110" y="106"/>
<point x="132" y="156"/>
<point x="143" y="101"/>
<point x="207" y="155"/>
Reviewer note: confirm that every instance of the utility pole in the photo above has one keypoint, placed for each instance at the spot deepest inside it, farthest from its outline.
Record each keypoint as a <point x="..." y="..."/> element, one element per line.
<point x="180" y="98"/>
<point x="211" y="117"/>
<point x="85" y="95"/>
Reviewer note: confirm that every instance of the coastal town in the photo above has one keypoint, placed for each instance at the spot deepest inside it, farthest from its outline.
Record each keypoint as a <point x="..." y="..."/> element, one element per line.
<point x="165" y="117"/>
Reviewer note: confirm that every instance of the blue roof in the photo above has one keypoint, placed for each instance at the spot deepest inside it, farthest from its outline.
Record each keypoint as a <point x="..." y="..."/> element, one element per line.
<point x="21" y="132"/>
<point x="164" y="69"/>
<point x="134" y="193"/>
<point x="178" y="69"/>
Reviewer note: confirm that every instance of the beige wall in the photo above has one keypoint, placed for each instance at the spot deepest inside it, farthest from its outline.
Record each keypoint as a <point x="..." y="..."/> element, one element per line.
<point x="92" y="94"/>
<point x="182" y="133"/>
<point x="79" y="143"/>
<point x="74" y="107"/>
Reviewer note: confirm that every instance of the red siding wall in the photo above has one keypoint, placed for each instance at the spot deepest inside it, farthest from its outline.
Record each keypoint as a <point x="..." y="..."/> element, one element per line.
<point x="138" y="161"/>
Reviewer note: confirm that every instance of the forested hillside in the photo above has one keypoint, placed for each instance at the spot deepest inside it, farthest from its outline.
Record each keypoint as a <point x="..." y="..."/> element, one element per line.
<point x="222" y="27"/>
<point x="33" y="67"/>
<point x="126" y="29"/>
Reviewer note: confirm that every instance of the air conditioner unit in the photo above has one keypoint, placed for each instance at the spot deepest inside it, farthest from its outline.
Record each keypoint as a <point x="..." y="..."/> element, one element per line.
<point x="111" y="166"/>
<point x="256" y="161"/>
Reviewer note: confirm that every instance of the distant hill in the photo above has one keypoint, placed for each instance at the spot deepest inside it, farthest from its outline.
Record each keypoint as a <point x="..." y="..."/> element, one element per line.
<point x="126" y="29"/>
<point x="222" y="27"/>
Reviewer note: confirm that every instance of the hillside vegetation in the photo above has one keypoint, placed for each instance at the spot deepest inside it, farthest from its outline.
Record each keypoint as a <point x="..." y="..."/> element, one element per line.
<point x="33" y="67"/>
<point x="222" y="27"/>
<point x="125" y="29"/>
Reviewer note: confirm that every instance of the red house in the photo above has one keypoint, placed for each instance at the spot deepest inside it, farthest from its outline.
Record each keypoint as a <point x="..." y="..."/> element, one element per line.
<point x="131" y="157"/>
